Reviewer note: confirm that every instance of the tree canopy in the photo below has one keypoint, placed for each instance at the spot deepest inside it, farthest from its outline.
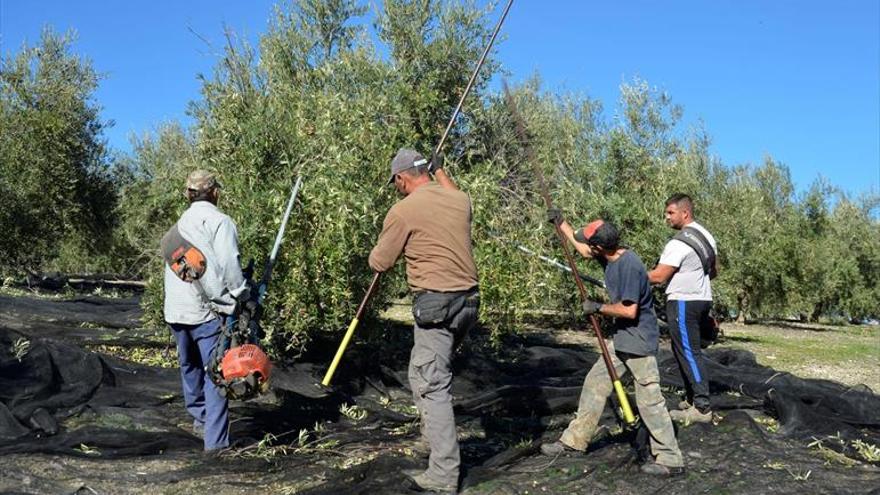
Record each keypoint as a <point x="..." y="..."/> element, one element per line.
<point x="320" y="97"/>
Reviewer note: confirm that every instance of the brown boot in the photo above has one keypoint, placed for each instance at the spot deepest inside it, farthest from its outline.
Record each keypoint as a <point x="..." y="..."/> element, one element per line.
<point x="691" y="415"/>
<point x="655" y="469"/>
<point x="556" y="448"/>
<point x="419" y="481"/>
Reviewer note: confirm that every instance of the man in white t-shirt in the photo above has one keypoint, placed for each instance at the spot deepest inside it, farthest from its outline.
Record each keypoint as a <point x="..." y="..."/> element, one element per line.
<point x="688" y="264"/>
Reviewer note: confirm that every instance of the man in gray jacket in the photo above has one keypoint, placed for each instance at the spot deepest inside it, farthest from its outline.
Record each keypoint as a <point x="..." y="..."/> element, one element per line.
<point x="195" y="309"/>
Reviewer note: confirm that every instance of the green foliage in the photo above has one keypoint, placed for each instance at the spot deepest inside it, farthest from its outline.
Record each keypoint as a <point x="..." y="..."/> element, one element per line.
<point x="316" y="99"/>
<point x="319" y="96"/>
<point x="56" y="178"/>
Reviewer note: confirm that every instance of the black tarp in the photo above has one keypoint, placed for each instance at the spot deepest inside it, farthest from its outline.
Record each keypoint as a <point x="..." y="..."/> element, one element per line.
<point x="59" y="398"/>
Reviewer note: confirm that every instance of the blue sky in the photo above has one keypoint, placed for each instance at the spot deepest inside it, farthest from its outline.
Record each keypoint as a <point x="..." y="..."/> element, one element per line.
<point x="796" y="80"/>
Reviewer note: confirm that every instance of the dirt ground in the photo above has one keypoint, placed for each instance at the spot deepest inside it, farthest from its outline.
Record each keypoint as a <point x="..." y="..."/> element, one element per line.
<point x="358" y="440"/>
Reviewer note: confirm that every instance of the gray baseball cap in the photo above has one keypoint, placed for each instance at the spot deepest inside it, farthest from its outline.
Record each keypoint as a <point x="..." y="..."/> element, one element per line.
<point x="404" y="160"/>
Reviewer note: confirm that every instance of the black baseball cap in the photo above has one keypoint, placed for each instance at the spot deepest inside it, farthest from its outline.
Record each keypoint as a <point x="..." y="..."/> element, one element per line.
<point x="598" y="233"/>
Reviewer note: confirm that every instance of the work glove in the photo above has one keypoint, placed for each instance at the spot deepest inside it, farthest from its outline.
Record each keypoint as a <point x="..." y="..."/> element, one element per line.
<point x="591" y="307"/>
<point x="554" y="216"/>
<point x="247" y="318"/>
<point x="436" y="162"/>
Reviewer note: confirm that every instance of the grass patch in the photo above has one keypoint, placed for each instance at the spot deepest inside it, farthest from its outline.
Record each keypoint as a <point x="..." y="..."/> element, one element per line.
<point x="142" y="355"/>
<point x="848" y="353"/>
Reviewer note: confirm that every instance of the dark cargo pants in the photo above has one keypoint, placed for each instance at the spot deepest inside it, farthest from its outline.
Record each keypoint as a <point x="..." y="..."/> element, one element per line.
<point x="430" y="379"/>
<point x="649" y="400"/>
<point x="686" y="318"/>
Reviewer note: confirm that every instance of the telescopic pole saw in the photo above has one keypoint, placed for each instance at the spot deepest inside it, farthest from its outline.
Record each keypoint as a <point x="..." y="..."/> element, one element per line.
<point x="628" y="416"/>
<point x="374" y="284"/>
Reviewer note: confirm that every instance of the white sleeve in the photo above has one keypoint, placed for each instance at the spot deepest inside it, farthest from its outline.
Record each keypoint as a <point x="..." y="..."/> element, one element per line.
<point x="674" y="253"/>
<point x="226" y="248"/>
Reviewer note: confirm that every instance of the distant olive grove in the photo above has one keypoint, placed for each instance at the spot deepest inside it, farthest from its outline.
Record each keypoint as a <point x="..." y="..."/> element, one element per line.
<point x="320" y="97"/>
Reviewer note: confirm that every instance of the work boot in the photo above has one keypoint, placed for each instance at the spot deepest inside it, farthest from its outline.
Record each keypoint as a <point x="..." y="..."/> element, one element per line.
<point x="691" y="415"/>
<point x="556" y="448"/>
<point x="418" y="480"/>
<point x="655" y="469"/>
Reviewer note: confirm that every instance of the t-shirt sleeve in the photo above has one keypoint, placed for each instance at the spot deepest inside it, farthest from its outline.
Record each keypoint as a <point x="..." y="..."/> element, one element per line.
<point x="390" y="244"/>
<point x="674" y="253"/>
<point x="631" y="279"/>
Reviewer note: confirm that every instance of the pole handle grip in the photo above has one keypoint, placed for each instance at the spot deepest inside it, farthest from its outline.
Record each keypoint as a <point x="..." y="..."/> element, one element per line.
<point x="624" y="403"/>
<point x="339" y="352"/>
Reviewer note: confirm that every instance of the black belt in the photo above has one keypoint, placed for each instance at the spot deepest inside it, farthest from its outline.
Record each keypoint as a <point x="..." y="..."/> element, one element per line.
<point x="472" y="295"/>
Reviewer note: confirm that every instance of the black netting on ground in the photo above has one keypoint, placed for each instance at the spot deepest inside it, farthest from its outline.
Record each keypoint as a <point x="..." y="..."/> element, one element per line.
<point x="57" y="398"/>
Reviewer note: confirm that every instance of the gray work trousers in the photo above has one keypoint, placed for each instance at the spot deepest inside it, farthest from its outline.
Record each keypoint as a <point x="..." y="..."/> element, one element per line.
<point x="430" y="379"/>
<point x="649" y="400"/>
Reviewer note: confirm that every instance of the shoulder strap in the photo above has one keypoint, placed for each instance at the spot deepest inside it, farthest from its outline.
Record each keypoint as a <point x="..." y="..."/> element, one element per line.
<point x="698" y="242"/>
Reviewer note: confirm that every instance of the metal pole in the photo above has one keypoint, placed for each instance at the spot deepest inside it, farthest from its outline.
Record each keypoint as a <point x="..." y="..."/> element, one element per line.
<point x="348" y="334"/>
<point x="586" y="278"/>
<point x="470" y="83"/>
<point x="270" y="261"/>
<point x="615" y="380"/>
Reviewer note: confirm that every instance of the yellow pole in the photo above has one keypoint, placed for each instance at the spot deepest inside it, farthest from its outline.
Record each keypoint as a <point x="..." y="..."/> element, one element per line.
<point x="350" y="331"/>
<point x="624" y="403"/>
<point x="339" y="352"/>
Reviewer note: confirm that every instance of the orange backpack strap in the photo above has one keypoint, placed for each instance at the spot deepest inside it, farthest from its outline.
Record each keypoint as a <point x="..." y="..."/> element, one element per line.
<point x="184" y="259"/>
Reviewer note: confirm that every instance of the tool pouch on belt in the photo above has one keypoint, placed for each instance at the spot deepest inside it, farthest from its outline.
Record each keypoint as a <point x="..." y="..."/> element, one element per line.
<point x="431" y="309"/>
<point x="184" y="259"/>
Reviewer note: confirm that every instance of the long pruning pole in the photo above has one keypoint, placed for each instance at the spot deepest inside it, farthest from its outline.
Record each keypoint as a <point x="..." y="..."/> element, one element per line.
<point x="374" y="284"/>
<point x="273" y="256"/>
<point x="470" y="84"/>
<point x="615" y="380"/>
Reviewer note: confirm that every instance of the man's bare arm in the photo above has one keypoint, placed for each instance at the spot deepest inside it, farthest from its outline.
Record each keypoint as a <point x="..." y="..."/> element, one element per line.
<point x="661" y="274"/>
<point x="623" y="309"/>
<point x="444" y="179"/>
<point x="582" y="248"/>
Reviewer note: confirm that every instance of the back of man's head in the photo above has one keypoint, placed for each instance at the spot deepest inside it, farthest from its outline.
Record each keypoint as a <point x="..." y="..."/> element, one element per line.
<point x="201" y="185"/>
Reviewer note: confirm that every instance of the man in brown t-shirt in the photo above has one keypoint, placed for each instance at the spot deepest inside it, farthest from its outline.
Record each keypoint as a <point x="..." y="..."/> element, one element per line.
<point x="431" y="227"/>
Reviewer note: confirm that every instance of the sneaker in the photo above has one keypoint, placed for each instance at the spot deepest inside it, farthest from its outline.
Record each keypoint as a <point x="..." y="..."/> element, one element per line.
<point x="218" y="453"/>
<point x="655" y="469"/>
<point x="198" y="429"/>
<point x="419" y="481"/>
<point x="691" y="415"/>
<point x="556" y="448"/>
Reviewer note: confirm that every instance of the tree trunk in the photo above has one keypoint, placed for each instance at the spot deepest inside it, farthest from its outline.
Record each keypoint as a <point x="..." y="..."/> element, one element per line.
<point x="742" y="303"/>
